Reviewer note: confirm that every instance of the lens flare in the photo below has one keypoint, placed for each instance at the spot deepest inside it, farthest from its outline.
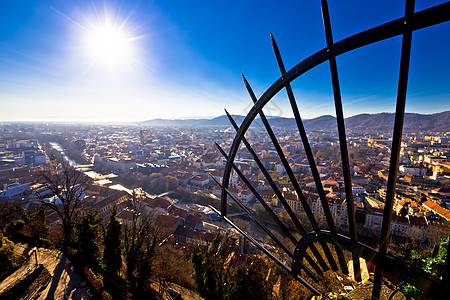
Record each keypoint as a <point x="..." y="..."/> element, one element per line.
<point x="110" y="43"/>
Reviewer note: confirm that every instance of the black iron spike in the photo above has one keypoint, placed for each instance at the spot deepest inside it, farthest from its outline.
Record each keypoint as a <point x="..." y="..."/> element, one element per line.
<point x="283" y="202"/>
<point x="261" y="247"/>
<point x="274" y="216"/>
<point x="421" y="19"/>
<point x="342" y="139"/>
<point x="293" y="181"/>
<point x="277" y="220"/>
<point x="309" y="156"/>
<point x="395" y="149"/>
<point x="254" y="218"/>
<point x="265" y="229"/>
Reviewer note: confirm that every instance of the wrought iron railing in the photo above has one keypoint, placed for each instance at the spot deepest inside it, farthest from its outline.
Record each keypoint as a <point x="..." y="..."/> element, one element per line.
<point x="383" y="261"/>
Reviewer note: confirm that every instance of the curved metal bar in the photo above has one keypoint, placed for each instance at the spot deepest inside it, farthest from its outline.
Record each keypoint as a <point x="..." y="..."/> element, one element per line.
<point x="422" y="19"/>
<point x="265" y="205"/>
<point x="269" y="179"/>
<point x="391" y="296"/>
<point x="267" y="231"/>
<point x="295" y="184"/>
<point x="273" y="257"/>
<point x="310" y="156"/>
<point x="395" y="266"/>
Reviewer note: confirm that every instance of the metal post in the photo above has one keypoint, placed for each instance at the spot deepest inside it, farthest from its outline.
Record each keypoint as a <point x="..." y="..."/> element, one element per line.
<point x="396" y="146"/>
<point x="35" y="255"/>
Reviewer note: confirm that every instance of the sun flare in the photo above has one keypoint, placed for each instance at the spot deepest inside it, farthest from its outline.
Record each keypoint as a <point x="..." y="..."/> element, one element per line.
<point x="108" y="43"/>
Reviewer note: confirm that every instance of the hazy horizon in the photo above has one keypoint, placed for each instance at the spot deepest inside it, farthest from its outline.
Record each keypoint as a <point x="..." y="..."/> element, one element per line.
<point x="129" y="61"/>
<point x="106" y="122"/>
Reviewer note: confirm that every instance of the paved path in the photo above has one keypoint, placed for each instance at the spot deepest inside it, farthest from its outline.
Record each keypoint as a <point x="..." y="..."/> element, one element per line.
<point x="65" y="282"/>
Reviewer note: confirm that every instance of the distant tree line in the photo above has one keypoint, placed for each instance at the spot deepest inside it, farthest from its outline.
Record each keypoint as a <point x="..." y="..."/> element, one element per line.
<point x="154" y="183"/>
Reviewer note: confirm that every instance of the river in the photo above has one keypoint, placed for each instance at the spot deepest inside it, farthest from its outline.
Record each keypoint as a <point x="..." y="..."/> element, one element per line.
<point x="58" y="148"/>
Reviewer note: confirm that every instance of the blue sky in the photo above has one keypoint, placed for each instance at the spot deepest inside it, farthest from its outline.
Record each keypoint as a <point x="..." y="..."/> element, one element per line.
<point x="184" y="59"/>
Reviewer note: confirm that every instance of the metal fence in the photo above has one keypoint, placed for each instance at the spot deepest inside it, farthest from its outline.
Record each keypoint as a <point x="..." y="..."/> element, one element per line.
<point x="384" y="262"/>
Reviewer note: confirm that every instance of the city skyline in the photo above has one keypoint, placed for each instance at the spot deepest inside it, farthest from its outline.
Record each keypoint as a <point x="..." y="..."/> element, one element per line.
<point x="121" y="61"/>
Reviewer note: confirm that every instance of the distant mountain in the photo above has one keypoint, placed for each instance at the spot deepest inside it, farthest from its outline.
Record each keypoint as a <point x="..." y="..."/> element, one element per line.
<point x="412" y="121"/>
<point x="381" y="122"/>
<point x="321" y="123"/>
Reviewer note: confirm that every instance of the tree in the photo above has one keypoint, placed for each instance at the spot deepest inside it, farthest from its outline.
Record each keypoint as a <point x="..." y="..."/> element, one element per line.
<point x="213" y="272"/>
<point x="145" y="259"/>
<point x="434" y="265"/>
<point x="7" y="253"/>
<point x="67" y="186"/>
<point x="36" y="225"/>
<point x="29" y="226"/>
<point x="112" y="255"/>
<point x="250" y="282"/>
<point x="171" y="183"/>
<point x="170" y="266"/>
<point x="7" y="213"/>
<point x="404" y="210"/>
<point x="87" y="235"/>
<point x="139" y="244"/>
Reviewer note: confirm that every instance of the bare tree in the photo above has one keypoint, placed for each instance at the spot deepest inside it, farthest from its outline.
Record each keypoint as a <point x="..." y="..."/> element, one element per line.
<point x="67" y="185"/>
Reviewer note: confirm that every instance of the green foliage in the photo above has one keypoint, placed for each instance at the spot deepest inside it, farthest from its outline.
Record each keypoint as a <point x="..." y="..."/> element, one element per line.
<point x="330" y="296"/>
<point x="198" y="263"/>
<point x="145" y="261"/>
<point x="30" y="226"/>
<point x="432" y="263"/>
<point x="38" y="225"/>
<point x="133" y="248"/>
<point x="7" y="213"/>
<point x="15" y="228"/>
<point x="112" y="255"/>
<point x="411" y="292"/>
<point x="23" y="214"/>
<point x="431" y="266"/>
<point x="6" y="254"/>
<point x="139" y="253"/>
<point x="96" y="280"/>
<point x="139" y="244"/>
<point x="213" y="271"/>
<point x="414" y="254"/>
<point x="88" y="230"/>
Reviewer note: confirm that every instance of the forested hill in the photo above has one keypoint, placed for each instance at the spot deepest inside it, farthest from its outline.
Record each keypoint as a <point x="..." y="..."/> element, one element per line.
<point x="382" y="121"/>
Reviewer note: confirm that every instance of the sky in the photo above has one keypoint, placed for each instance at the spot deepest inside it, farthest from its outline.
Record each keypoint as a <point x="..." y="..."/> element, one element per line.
<point x="122" y="61"/>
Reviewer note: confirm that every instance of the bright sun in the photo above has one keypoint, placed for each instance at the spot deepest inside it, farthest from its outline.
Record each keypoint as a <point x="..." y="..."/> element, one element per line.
<point x="109" y="44"/>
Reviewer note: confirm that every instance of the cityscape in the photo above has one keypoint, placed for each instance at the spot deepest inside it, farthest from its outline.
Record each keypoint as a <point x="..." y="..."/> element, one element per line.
<point x="175" y="169"/>
<point x="122" y="177"/>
